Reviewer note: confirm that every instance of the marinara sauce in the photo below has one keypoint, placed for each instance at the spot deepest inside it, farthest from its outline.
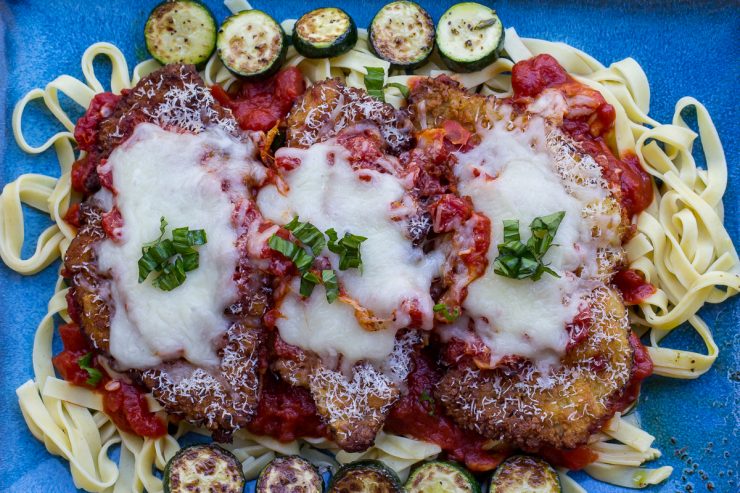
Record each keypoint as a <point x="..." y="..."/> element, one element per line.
<point x="418" y="414"/>
<point x="260" y="105"/>
<point x="123" y="402"/>
<point x="587" y="120"/>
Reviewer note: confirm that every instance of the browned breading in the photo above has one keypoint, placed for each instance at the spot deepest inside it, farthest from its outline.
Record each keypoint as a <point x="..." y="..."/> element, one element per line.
<point x="86" y="283"/>
<point x="223" y="399"/>
<point x="434" y="100"/>
<point x="329" y="106"/>
<point x="164" y="98"/>
<point x="561" y="409"/>
<point x="354" y="408"/>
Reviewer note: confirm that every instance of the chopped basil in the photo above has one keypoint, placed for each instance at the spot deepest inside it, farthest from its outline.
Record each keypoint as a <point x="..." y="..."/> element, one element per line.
<point x="308" y="281"/>
<point x="401" y="87"/>
<point x="309" y="235"/>
<point x="171" y="258"/>
<point x="93" y="374"/>
<point x="517" y="260"/>
<point x="445" y="310"/>
<point x="329" y="278"/>
<point x="374" y="80"/>
<point x="348" y="249"/>
<point x="314" y="241"/>
<point x="295" y="253"/>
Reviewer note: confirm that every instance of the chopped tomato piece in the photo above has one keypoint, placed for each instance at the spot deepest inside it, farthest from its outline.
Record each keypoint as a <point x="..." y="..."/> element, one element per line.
<point x="101" y="107"/>
<point x="127" y="407"/>
<point x="260" y="105"/>
<point x="634" y="288"/>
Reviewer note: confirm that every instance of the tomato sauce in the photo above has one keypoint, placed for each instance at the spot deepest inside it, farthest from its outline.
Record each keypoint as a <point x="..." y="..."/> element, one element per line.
<point x="86" y="130"/>
<point x="588" y="119"/>
<point x="123" y="402"/>
<point x="260" y="105"/>
<point x="84" y="176"/>
<point x="286" y="412"/>
<point x="573" y="459"/>
<point x="419" y="415"/>
<point x="634" y="288"/>
<point x="642" y="368"/>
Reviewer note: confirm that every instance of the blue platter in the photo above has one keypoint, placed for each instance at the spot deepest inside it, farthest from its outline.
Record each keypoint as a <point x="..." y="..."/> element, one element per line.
<point x="686" y="48"/>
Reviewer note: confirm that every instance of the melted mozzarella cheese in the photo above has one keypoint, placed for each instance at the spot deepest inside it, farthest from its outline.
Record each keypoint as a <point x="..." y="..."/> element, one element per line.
<point x="180" y="177"/>
<point x="331" y="330"/>
<point x="513" y="175"/>
<point x="326" y="192"/>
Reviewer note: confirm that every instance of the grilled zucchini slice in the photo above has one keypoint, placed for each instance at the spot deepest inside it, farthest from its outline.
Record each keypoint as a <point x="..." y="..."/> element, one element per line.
<point x="441" y="477"/>
<point x="402" y="33"/>
<point x="252" y="44"/>
<point x="470" y="36"/>
<point x="324" y="33"/>
<point x="203" y="468"/>
<point x="365" y="476"/>
<point x="289" y="474"/>
<point x="525" y="474"/>
<point x="180" y="32"/>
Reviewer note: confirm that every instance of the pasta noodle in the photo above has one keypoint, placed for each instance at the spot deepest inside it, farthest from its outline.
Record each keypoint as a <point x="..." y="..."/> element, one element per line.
<point x="681" y="247"/>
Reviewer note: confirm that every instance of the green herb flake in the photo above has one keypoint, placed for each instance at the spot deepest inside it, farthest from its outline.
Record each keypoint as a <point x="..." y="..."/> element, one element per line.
<point x="426" y="398"/>
<point x="314" y="241"/>
<point x="445" y="310"/>
<point x="171" y="258"/>
<point x="309" y="235"/>
<point x="348" y="249"/>
<point x="329" y="279"/>
<point x="94" y="376"/>
<point x="517" y="260"/>
<point x="374" y="80"/>
<point x="484" y="24"/>
<point x="401" y="87"/>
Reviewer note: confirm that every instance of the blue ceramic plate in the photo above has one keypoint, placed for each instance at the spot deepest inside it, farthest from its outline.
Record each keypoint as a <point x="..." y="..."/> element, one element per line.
<point x="686" y="48"/>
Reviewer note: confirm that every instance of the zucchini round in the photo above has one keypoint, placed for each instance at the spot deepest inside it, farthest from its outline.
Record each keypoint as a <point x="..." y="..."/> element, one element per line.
<point x="441" y="477"/>
<point x="252" y="44"/>
<point x="365" y="476"/>
<point x="324" y="33"/>
<point x="523" y="473"/>
<point x="402" y="33"/>
<point x="470" y="36"/>
<point x="203" y="468"/>
<point x="289" y="474"/>
<point x="182" y="31"/>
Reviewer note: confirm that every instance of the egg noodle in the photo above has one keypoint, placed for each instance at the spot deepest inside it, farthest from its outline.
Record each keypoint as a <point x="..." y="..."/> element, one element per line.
<point x="681" y="247"/>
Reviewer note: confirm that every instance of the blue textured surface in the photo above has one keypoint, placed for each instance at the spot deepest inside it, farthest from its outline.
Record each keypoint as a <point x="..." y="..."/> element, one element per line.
<point x="686" y="48"/>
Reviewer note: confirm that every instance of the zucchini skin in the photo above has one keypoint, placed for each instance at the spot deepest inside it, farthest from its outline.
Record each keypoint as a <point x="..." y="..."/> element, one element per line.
<point x="377" y="40"/>
<point x="151" y="32"/>
<point x="342" y="44"/>
<point x="524" y="473"/>
<point x="439" y="476"/>
<point x="365" y="476"/>
<point x="233" y="484"/>
<point x="464" y="66"/>
<point x="223" y="44"/>
<point x="289" y="474"/>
